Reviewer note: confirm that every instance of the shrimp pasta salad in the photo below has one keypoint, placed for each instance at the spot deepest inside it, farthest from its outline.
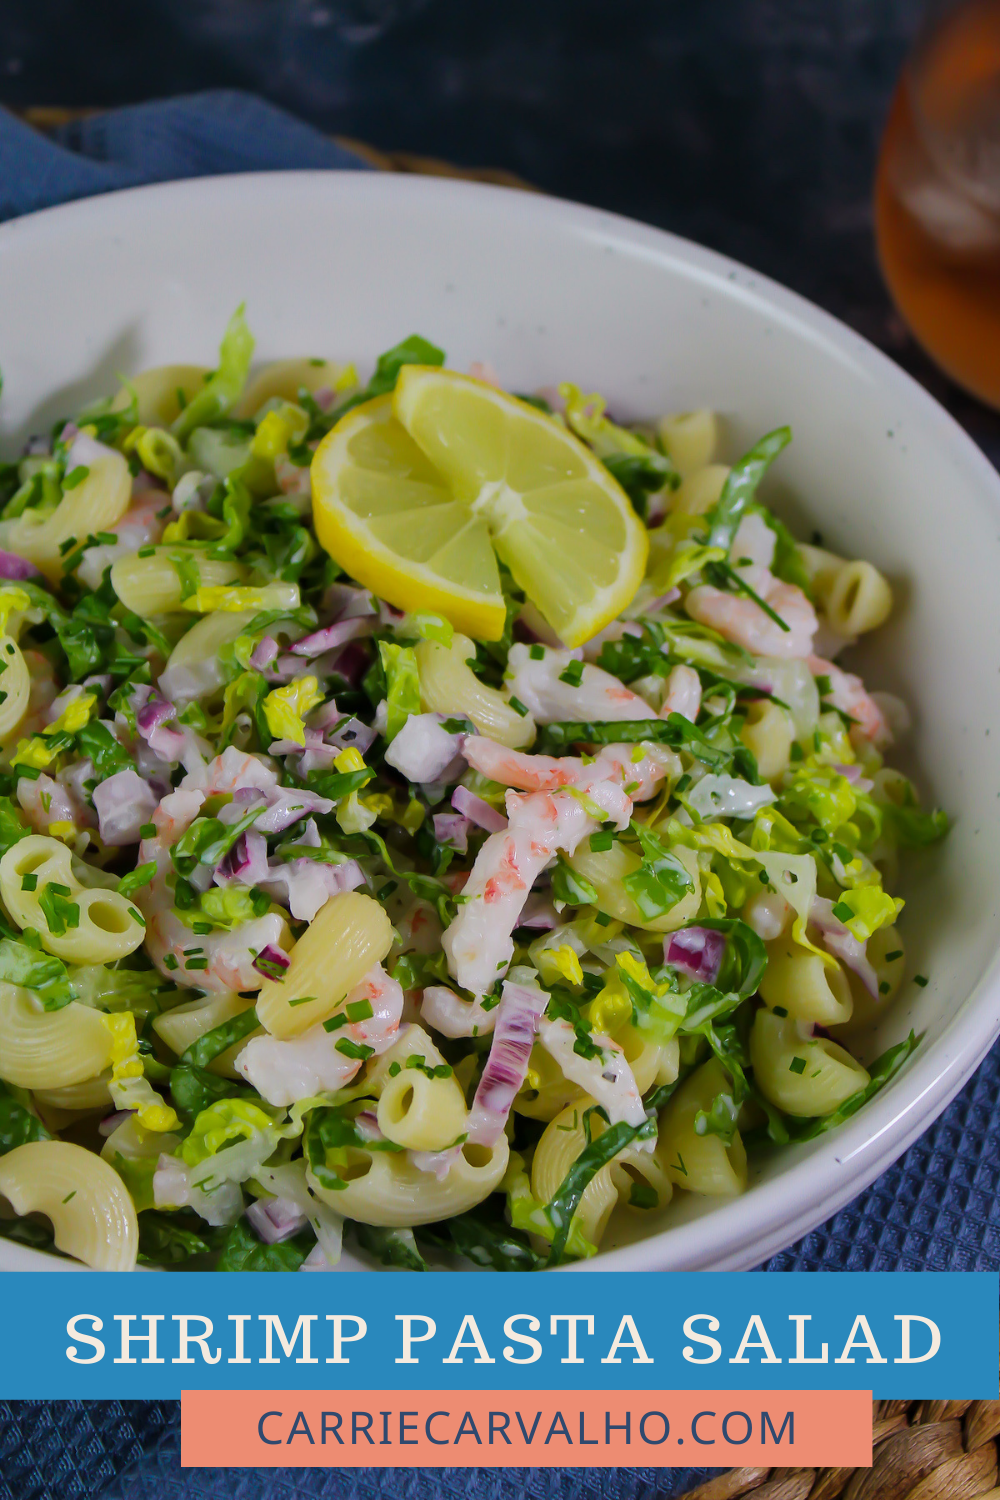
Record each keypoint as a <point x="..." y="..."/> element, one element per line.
<point x="431" y="818"/>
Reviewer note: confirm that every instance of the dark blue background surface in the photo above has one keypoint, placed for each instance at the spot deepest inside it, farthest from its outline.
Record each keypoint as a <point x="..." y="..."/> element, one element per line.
<point x="751" y="125"/>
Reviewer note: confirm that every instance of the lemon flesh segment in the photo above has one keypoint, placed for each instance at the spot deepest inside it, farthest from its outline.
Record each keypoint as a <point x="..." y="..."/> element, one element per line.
<point x="391" y="521"/>
<point x="556" y="517"/>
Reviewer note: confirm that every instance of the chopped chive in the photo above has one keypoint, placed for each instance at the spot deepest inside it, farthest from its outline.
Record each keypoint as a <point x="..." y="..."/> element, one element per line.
<point x="921" y="979"/>
<point x="75" y="476"/>
<point x="602" y="841"/>
<point x="779" y="1010"/>
<point x="797" y="1065"/>
<point x="537" y="653"/>
<point x="890" y="958"/>
<point x="518" y="706"/>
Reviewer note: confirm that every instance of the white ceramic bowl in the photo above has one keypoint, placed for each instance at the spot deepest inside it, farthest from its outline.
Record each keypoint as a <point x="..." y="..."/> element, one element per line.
<point x="345" y="265"/>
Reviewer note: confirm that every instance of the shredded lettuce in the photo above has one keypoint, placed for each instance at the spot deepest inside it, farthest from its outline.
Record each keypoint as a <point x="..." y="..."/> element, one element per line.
<point x="221" y="390"/>
<point x="402" y="685"/>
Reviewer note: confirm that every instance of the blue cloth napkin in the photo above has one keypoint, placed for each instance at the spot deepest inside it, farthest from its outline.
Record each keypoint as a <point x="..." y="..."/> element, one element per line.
<point x="936" y="1209"/>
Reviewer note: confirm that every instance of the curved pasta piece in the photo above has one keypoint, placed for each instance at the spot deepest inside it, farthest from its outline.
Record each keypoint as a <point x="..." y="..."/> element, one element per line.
<point x="690" y="438"/>
<point x="545" y="1093"/>
<point x="699" y="490"/>
<point x="15" y="688"/>
<point x="859" y="600"/>
<point x="348" y="936"/>
<point x="50" y="1049"/>
<point x="448" y="685"/>
<point x="284" y="378"/>
<point x="385" y="1188"/>
<point x="701" y="1163"/>
<point x="162" y="391"/>
<point x="151" y="586"/>
<point x="803" y="1076"/>
<point x="92" y="1214"/>
<point x="92" y="1094"/>
<point x="105" y="925"/>
<point x="193" y="668"/>
<point x="607" y="869"/>
<point x="415" y="1110"/>
<point x="563" y="1140"/>
<point x="805" y="985"/>
<point x="96" y="504"/>
<point x="181" y="1027"/>
<point x="768" y="734"/>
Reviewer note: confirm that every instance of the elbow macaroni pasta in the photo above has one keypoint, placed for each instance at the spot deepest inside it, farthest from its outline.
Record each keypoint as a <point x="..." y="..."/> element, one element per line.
<point x="806" y="1077"/>
<point x="50" y="1049"/>
<point x="150" y="586"/>
<point x="701" y="1163"/>
<point x="414" y="1110"/>
<point x="448" y="685"/>
<point x="185" y="1024"/>
<point x="102" y="925"/>
<point x="607" y="869"/>
<point x="690" y="439"/>
<point x="768" y="734"/>
<point x="386" y="1189"/>
<point x="96" y="504"/>
<point x="161" y="392"/>
<point x="91" y="1211"/>
<point x="349" y="935"/>
<point x="805" y="985"/>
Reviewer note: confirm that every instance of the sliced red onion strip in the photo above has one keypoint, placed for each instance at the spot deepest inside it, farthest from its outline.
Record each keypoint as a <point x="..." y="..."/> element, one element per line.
<point x="332" y="636"/>
<point x="124" y="803"/>
<point x="518" y="1014"/>
<point x="344" y="602"/>
<point x="110" y="1123"/>
<point x="696" y="951"/>
<point x="245" y="862"/>
<point x="477" y="811"/>
<point x="538" y="912"/>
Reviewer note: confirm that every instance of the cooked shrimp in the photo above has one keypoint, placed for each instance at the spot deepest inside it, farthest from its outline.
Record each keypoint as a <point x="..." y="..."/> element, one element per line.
<point x="441" y="1008"/>
<point x="478" y="942"/>
<point x="848" y="693"/>
<point x="537" y="682"/>
<point x="742" y="621"/>
<point x="230" y="772"/>
<point x="285" y="1071"/>
<point x="546" y="773"/>
<point x="683" y="695"/>
<point x="607" y="1078"/>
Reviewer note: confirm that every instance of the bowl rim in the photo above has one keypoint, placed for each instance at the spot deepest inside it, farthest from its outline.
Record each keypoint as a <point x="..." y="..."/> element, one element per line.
<point x="843" y="1165"/>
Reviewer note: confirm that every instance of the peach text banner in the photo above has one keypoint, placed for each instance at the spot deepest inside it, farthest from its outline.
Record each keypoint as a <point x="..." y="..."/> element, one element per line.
<point x="454" y="1429"/>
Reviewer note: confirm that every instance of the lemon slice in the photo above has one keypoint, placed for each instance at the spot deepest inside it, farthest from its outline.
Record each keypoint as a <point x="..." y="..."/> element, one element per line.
<point x="556" y="517"/>
<point x="388" y="517"/>
<point x="413" y="494"/>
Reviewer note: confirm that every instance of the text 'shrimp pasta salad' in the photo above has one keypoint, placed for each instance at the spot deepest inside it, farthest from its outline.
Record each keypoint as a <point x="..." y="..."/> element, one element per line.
<point x="428" y="815"/>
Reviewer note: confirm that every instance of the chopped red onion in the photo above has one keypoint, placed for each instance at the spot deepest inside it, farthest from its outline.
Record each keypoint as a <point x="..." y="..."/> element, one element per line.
<point x="286" y="805"/>
<point x="276" y="1219"/>
<point x="123" y="803"/>
<point x="518" y="1014"/>
<point x="154" y="712"/>
<point x="352" y="663"/>
<point x="332" y="636"/>
<point x="368" y="1127"/>
<point x="853" y="775"/>
<point x="345" y="602"/>
<point x="110" y="1123"/>
<point x="16" y="568"/>
<point x="245" y="862"/>
<point x="271" y="957"/>
<point x="353" y="734"/>
<point x="306" y="885"/>
<point x="841" y="942"/>
<point x="697" y="951"/>
<point x="452" y="829"/>
<point x="264" y="652"/>
<point x="477" y="811"/>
